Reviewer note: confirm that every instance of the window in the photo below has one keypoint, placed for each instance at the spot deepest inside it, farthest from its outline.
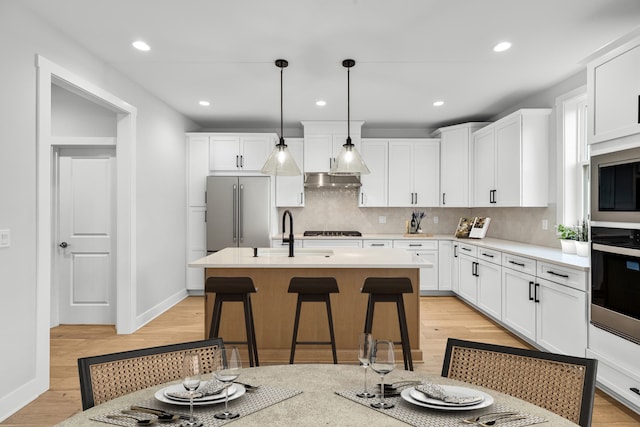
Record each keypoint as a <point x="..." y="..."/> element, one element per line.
<point x="573" y="157"/>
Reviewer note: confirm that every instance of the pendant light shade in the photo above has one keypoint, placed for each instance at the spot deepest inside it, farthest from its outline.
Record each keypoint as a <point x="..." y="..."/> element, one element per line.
<point x="349" y="161"/>
<point x="280" y="162"/>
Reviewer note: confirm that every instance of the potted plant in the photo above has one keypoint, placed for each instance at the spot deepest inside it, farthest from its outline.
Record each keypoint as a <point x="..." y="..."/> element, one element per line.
<point x="568" y="237"/>
<point x="582" y="238"/>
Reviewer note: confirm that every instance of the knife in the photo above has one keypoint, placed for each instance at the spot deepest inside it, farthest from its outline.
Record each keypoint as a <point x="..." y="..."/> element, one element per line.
<point x="157" y="412"/>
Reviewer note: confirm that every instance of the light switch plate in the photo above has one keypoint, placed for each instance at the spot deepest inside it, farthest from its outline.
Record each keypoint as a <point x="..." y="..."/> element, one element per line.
<point x="5" y="238"/>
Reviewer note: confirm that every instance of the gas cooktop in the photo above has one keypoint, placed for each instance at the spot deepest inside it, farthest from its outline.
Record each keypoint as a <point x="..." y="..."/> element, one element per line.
<point x="333" y="233"/>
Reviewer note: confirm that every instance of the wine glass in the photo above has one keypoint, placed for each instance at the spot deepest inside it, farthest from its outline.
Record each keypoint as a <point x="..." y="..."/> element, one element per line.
<point x="227" y="370"/>
<point x="382" y="362"/>
<point x="365" y="342"/>
<point x="192" y="374"/>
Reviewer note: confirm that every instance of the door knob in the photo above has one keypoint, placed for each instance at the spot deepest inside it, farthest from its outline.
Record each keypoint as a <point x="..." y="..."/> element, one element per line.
<point x="63" y="245"/>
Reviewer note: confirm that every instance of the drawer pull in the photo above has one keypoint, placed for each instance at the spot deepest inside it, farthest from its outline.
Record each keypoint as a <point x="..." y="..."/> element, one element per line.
<point x="487" y="255"/>
<point x="377" y="244"/>
<point x="419" y="245"/>
<point x="519" y="264"/>
<point x="466" y="249"/>
<point x="635" y="390"/>
<point x="566" y="276"/>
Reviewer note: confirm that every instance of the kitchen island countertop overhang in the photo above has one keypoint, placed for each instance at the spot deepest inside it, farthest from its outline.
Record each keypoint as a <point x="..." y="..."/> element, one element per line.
<point x="274" y="307"/>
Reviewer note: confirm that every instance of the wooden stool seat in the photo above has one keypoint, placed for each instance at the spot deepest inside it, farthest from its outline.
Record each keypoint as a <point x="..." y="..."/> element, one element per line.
<point x="234" y="289"/>
<point x="390" y="289"/>
<point x="313" y="289"/>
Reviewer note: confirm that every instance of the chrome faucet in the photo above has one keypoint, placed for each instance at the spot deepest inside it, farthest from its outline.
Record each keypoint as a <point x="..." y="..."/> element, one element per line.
<point x="290" y="238"/>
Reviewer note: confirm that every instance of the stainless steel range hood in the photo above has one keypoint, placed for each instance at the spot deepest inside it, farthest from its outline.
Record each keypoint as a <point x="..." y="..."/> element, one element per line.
<point x="324" y="180"/>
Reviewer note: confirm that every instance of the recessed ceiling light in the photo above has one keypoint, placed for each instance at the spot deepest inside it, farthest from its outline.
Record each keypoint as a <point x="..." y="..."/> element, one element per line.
<point x="501" y="47"/>
<point x="140" y="45"/>
<point x="438" y="103"/>
<point x="321" y="103"/>
<point x="204" y="103"/>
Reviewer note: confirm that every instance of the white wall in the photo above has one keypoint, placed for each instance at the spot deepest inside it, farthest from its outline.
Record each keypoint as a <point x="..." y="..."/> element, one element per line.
<point x="160" y="188"/>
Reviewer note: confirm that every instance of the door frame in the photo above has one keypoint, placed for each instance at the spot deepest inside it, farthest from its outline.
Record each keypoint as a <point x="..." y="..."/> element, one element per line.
<point x="49" y="73"/>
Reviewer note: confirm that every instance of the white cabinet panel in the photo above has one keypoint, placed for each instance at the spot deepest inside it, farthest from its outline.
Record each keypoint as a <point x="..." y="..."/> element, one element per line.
<point x="290" y="189"/>
<point x="198" y="169"/>
<point x="414" y="172"/>
<point x="331" y="243"/>
<point x="377" y="243"/>
<point x="197" y="246"/>
<point x="518" y="305"/>
<point x="445" y="265"/>
<point x="483" y="167"/>
<point x="468" y="284"/>
<point x="489" y="277"/>
<point x="239" y="152"/>
<point x="374" y="190"/>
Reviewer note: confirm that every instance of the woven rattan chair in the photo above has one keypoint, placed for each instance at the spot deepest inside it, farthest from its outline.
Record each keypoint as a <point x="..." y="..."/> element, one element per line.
<point x="561" y="384"/>
<point x="108" y="376"/>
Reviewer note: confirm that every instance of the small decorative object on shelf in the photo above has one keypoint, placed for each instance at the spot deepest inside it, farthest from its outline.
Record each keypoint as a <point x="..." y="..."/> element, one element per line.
<point x="464" y="227"/>
<point x="416" y="218"/>
<point x="582" y="238"/>
<point x="479" y="227"/>
<point x="568" y="237"/>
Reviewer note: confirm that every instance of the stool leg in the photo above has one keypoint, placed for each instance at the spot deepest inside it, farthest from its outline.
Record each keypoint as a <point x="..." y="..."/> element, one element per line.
<point x="368" y="322"/>
<point x="253" y="333"/>
<point x="247" y="324"/>
<point x="404" y="334"/>
<point x="295" y="331"/>
<point x="215" y="318"/>
<point x="333" y="338"/>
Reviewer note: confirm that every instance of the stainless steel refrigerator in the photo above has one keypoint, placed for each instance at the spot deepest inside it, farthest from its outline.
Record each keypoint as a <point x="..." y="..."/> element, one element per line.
<point x="237" y="212"/>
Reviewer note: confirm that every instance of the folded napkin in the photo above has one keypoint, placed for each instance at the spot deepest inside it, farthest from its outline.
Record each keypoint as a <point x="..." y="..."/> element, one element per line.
<point x="434" y="391"/>
<point x="210" y="388"/>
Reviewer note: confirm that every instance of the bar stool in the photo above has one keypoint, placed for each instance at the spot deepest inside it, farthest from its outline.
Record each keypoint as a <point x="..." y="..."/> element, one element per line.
<point x="313" y="289"/>
<point x="236" y="289"/>
<point x="390" y="289"/>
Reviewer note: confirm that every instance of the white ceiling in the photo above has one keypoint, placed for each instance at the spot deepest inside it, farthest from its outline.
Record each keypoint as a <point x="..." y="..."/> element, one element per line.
<point x="409" y="53"/>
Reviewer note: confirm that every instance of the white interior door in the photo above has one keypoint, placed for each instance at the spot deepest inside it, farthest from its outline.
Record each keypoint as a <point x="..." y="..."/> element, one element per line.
<point x="85" y="258"/>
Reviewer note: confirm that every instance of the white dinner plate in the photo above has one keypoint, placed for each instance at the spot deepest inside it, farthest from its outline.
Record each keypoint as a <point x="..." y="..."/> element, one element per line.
<point x="235" y="391"/>
<point x="451" y="391"/>
<point x="487" y="399"/>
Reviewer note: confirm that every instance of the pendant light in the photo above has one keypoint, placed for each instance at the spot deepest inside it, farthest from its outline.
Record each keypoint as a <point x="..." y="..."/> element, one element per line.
<point x="280" y="161"/>
<point x="349" y="161"/>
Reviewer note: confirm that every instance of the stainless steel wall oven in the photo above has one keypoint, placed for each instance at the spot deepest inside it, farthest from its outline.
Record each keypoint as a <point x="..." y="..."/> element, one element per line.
<point x="615" y="281"/>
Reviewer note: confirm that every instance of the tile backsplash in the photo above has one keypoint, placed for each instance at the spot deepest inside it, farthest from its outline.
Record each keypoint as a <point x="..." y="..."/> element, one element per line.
<point x="337" y="209"/>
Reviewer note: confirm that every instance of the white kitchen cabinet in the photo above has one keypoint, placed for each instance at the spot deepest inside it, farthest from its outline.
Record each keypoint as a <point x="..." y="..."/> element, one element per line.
<point x="445" y="265"/>
<point x="323" y="141"/>
<point x="239" y="152"/>
<point x="197" y="246"/>
<point x="414" y="172"/>
<point x="511" y="161"/>
<point x="518" y="304"/>
<point x="197" y="169"/>
<point x="456" y="163"/>
<point x="427" y="250"/>
<point x="489" y="276"/>
<point x="614" y="93"/>
<point x="467" y="279"/>
<point x="455" y="267"/>
<point x="279" y="243"/>
<point x="374" y="190"/>
<point x="290" y="189"/>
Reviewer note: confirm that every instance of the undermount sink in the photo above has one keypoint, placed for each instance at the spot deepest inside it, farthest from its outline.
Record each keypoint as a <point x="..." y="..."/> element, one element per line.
<point x="298" y="252"/>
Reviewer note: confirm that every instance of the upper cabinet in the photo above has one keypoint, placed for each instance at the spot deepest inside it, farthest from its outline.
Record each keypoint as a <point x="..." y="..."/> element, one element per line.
<point x="374" y="191"/>
<point x="239" y="152"/>
<point x="414" y="172"/>
<point x="510" y="161"/>
<point x="456" y="164"/>
<point x="290" y="189"/>
<point x="323" y="141"/>
<point x="614" y="93"/>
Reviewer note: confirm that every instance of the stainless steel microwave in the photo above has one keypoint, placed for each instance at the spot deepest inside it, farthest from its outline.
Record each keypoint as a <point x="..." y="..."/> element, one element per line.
<point x="615" y="186"/>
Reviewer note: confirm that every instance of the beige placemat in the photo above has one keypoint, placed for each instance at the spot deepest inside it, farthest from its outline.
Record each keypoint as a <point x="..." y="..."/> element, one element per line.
<point x="249" y="403"/>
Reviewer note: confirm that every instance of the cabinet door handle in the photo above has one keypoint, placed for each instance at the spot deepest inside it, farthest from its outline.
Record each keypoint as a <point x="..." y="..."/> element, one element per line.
<point x="530" y="289"/>
<point x="635" y="389"/>
<point x="455" y="251"/>
<point x="487" y="255"/>
<point x="535" y="294"/>
<point x="241" y="161"/>
<point x="302" y="198"/>
<point x="519" y="264"/>
<point x="443" y="201"/>
<point x="474" y="268"/>
<point x="237" y="161"/>
<point x="416" y="198"/>
<point x="638" y="108"/>
<point x="566" y="276"/>
<point x="362" y="198"/>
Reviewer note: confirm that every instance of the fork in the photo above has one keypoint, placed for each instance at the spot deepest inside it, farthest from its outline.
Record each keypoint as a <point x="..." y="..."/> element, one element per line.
<point x="477" y="419"/>
<point x="505" y="418"/>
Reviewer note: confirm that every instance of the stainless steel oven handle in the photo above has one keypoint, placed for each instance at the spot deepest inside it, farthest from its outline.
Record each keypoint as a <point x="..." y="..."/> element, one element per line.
<point x="616" y="250"/>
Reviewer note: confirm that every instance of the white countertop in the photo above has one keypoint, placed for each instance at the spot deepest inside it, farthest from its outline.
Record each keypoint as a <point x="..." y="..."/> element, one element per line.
<point x="540" y="253"/>
<point x="312" y="258"/>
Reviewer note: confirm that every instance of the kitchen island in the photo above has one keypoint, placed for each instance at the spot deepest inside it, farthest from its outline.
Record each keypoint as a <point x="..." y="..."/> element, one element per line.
<point x="274" y="308"/>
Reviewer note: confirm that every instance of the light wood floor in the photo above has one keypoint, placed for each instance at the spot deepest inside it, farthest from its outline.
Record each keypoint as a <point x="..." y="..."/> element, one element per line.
<point x="441" y="317"/>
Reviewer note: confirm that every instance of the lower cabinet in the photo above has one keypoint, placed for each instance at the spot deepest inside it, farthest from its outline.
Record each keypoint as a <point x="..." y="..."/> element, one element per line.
<point x="518" y="304"/>
<point x="467" y="282"/>
<point x="445" y="261"/>
<point x="428" y="250"/>
<point x="489" y="288"/>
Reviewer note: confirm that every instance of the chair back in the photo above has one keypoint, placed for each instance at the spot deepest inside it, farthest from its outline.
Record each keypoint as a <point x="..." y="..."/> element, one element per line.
<point x="561" y="384"/>
<point x="108" y="376"/>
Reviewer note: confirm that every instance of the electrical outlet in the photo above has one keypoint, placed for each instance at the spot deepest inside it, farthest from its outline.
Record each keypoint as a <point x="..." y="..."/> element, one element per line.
<point x="545" y="224"/>
<point x="382" y="219"/>
<point x="435" y="219"/>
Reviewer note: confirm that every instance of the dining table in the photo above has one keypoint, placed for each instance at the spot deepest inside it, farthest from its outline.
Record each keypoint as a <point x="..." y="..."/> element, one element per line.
<point x="321" y="394"/>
